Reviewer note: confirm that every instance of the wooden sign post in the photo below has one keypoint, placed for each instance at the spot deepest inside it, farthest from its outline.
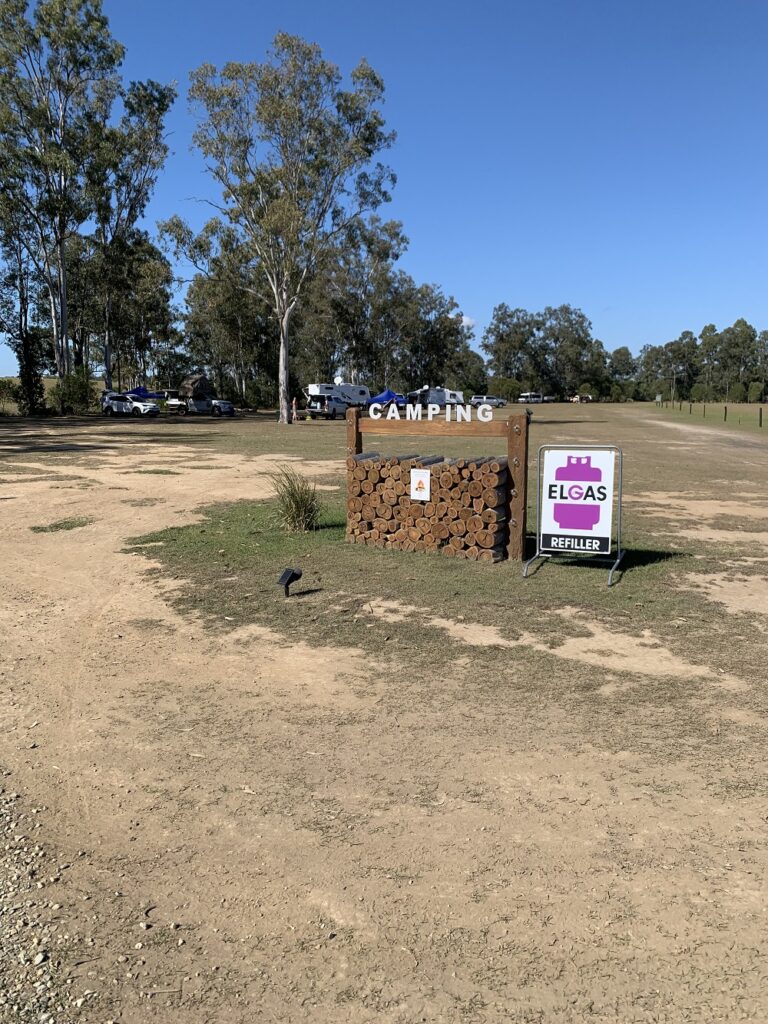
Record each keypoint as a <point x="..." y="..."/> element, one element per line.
<point x="514" y="429"/>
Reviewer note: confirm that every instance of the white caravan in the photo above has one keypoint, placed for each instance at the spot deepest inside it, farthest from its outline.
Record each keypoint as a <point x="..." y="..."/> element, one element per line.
<point x="350" y="394"/>
<point x="436" y="396"/>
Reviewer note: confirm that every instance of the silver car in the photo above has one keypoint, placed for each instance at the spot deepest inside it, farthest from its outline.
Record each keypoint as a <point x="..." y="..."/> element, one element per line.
<point x="492" y="400"/>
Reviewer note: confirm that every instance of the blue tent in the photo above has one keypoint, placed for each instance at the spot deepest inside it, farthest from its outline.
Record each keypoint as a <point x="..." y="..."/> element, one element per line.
<point x="141" y="392"/>
<point x="384" y="397"/>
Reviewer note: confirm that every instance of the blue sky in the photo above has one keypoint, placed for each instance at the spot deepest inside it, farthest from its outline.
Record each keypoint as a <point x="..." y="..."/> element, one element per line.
<point x="611" y="155"/>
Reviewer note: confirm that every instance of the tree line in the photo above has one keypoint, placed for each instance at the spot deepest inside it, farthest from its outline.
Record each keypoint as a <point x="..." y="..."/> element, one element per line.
<point x="295" y="277"/>
<point x="554" y="352"/>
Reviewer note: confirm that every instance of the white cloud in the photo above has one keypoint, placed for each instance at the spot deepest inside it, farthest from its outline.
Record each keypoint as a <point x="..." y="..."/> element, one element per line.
<point x="467" y="321"/>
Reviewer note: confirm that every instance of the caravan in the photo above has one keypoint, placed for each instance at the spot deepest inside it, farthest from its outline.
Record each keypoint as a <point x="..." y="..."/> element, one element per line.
<point x="435" y="396"/>
<point x="349" y="394"/>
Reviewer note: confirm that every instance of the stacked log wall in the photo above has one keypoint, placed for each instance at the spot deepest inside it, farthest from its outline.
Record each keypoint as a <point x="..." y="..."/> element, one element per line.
<point x="466" y="516"/>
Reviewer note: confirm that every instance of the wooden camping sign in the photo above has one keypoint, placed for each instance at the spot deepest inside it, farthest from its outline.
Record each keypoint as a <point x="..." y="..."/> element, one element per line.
<point x="499" y="504"/>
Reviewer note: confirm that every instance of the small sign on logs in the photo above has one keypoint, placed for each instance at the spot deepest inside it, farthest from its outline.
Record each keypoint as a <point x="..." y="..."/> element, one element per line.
<point x="483" y="499"/>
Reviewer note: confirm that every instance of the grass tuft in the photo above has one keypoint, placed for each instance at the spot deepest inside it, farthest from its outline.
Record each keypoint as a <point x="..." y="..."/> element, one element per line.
<point x="74" y="523"/>
<point x="298" y="506"/>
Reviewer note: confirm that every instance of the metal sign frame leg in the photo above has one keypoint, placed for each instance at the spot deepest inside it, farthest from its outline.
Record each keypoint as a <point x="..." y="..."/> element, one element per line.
<point x="619" y="491"/>
<point x="539" y="554"/>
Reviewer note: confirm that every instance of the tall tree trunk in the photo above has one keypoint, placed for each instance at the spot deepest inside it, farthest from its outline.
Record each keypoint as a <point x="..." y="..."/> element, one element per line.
<point x="108" y="344"/>
<point x="283" y="395"/>
<point x="55" y="330"/>
<point x="282" y="372"/>
<point x="63" y="312"/>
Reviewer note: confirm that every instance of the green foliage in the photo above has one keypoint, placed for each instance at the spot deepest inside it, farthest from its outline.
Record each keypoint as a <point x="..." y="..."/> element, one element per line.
<point x="7" y="394"/>
<point x="505" y="387"/>
<point x="65" y="163"/>
<point x="737" y="393"/>
<point x="552" y="351"/>
<point x="298" y="506"/>
<point x="75" y="394"/>
<point x="29" y="394"/>
<point x="622" y="364"/>
<point x="700" y="392"/>
<point x="755" y="392"/>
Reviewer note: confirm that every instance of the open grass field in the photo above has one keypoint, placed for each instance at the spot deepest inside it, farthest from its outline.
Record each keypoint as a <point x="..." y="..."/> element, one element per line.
<point x="750" y="417"/>
<point x="420" y="790"/>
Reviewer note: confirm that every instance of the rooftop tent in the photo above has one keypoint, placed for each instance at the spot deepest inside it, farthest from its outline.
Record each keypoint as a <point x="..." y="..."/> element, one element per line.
<point x="196" y="386"/>
<point x="383" y="398"/>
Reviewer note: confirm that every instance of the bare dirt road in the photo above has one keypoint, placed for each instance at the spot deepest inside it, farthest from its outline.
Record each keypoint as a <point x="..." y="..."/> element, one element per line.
<point x="245" y="828"/>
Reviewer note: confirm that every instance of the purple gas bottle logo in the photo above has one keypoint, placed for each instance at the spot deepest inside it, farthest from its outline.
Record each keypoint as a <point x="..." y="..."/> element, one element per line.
<point x="576" y="479"/>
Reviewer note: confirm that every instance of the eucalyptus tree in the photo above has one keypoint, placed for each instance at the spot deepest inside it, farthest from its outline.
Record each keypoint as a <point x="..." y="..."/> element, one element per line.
<point x="121" y="175"/>
<point x="295" y="155"/>
<point x="19" y="307"/>
<point x="348" y="320"/>
<point x="58" y="79"/>
<point x="552" y="350"/>
<point x="229" y="322"/>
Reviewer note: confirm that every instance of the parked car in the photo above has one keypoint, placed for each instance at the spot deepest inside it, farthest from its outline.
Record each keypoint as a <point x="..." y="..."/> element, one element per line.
<point x="326" y="407"/>
<point x="496" y="403"/>
<point x="221" y="407"/>
<point x="201" y="405"/>
<point x="175" y="404"/>
<point x="115" y="404"/>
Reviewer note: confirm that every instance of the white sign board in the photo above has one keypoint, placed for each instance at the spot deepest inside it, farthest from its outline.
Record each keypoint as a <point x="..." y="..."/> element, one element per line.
<point x="577" y="501"/>
<point x="420" y="484"/>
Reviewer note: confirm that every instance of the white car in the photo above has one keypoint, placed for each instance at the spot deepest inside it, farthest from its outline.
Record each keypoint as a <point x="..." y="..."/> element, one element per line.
<point x="327" y="408"/>
<point x="115" y="404"/>
<point x="200" y="406"/>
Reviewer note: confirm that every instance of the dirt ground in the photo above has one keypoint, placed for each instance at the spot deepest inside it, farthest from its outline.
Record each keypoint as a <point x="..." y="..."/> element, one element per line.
<point x="258" y="830"/>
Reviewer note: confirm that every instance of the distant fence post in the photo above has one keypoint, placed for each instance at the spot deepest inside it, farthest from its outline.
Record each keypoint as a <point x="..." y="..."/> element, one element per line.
<point x="760" y="417"/>
<point x="725" y="413"/>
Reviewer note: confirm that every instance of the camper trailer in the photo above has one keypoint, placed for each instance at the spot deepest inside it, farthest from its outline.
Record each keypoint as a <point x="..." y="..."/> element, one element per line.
<point x="349" y="394"/>
<point x="436" y="396"/>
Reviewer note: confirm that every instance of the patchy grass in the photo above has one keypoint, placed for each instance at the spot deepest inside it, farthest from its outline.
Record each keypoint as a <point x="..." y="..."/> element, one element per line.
<point x="143" y="502"/>
<point x="73" y="523"/>
<point x="229" y="564"/>
<point x="156" y="472"/>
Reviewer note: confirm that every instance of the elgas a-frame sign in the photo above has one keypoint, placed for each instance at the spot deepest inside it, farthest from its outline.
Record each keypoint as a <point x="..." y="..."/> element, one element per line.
<point x="578" y="489"/>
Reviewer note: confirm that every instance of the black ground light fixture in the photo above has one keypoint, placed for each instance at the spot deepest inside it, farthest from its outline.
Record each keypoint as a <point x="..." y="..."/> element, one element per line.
<point x="289" y="576"/>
